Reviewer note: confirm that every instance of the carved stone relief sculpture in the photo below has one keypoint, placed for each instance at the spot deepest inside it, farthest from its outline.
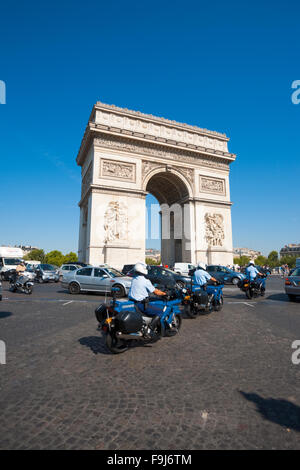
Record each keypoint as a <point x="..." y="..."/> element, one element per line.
<point x="114" y="169"/>
<point x="214" y="232"/>
<point x="115" y="222"/>
<point x="212" y="185"/>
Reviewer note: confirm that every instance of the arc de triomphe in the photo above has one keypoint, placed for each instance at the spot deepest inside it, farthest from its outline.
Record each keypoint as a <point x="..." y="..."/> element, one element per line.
<point x="124" y="155"/>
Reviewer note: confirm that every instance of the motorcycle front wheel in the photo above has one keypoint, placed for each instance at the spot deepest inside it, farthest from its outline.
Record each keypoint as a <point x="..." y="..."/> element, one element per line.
<point x="218" y="304"/>
<point x="176" y="325"/>
<point x="28" y="290"/>
<point x="115" y="345"/>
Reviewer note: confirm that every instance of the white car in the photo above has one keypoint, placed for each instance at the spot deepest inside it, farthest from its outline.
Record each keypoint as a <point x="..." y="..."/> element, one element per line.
<point x="66" y="268"/>
<point x="183" y="268"/>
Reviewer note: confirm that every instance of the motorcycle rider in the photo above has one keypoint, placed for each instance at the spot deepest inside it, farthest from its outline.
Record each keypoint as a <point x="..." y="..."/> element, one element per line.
<point x="201" y="276"/>
<point x="252" y="273"/>
<point x="20" y="268"/>
<point x="139" y="292"/>
<point x="142" y="287"/>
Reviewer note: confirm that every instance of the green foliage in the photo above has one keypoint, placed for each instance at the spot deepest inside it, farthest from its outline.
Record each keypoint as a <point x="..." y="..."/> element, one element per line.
<point x="241" y="260"/>
<point x="261" y="261"/>
<point x="35" y="255"/>
<point x="70" y="258"/>
<point x="273" y="260"/>
<point x="152" y="261"/>
<point x="289" y="260"/>
<point x="54" y="257"/>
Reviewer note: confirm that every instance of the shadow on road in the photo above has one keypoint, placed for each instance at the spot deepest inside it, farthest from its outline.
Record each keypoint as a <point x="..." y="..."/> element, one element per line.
<point x="95" y="343"/>
<point x="278" y="411"/>
<point x="280" y="297"/>
<point x="5" y="314"/>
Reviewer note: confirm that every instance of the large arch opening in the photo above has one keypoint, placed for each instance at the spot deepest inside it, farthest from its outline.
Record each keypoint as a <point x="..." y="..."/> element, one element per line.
<point x="166" y="216"/>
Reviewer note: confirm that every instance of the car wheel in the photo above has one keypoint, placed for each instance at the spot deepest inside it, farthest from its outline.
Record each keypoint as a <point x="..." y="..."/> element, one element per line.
<point x="235" y="281"/>
<point x="2" y="277"/>
<point x="120" y="291"/>
<point x="292" y="297"/>
<point x="74" y="288"/>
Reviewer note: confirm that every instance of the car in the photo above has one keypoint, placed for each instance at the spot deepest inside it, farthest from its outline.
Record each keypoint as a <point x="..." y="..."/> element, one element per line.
<point x="46" y="273"/>
<point x="127" y="268"/>
<point x="224" y="274"/>
<point x="292" y="285"/>
<point x="100" y="278"/>
<point x="30" y="272"/>
<point x="183" y="268"/>
<point x="159" y="275"/>
<point x="68" y="267"/>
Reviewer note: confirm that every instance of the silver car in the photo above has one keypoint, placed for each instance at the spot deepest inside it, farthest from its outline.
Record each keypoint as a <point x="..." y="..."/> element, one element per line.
<point x="97" y="279"/>
<point x="292" y="284"/>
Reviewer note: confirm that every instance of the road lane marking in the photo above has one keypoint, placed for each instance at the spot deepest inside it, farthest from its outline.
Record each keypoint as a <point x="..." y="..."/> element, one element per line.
<point x="70" y="301"/>
<point x="245" y="303"/>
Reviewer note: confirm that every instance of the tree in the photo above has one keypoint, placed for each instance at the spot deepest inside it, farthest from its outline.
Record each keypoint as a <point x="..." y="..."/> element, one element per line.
<point x="54" y="257"/>
<point x="152" y="261"/>
<point x="261" y="260"/>
<point x="273" y="260"/>
<point x="289" y="260"/>
<point x="70" y="258"/>
<point x="241" y="260"/>
<point x="35" y="255"/>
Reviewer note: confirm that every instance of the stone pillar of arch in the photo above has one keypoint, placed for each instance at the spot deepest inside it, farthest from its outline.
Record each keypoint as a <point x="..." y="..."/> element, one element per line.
<point x="124" y="155"/>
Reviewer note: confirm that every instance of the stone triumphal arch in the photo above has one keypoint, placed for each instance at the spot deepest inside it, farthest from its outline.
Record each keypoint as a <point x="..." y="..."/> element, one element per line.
<point x="125" y="155"/>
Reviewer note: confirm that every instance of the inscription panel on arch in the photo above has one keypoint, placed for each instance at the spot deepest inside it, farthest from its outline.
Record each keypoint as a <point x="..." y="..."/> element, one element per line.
<point x="212" y="185"/>
<point x="114" y="169"/>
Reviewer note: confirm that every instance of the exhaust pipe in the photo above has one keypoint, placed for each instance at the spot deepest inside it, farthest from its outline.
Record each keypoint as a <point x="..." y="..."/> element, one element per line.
<point x="129" y="335"/>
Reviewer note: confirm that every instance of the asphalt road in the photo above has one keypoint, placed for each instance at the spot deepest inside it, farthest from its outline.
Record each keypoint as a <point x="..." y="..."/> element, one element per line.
<point x="226" y="381"/>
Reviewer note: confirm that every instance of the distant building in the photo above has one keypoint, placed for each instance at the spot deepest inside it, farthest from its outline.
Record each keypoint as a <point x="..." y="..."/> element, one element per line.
<point x="290" y="250"/>
<point x="253" y="254"/>
<point x="153" y="253"/>
<point x="27" y="248"/>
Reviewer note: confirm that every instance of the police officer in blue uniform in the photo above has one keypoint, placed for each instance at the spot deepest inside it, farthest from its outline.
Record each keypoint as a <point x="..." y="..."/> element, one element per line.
<point x="252" y="273"/>
<point x="201" y="276"/>
<point x="142" y="287"/>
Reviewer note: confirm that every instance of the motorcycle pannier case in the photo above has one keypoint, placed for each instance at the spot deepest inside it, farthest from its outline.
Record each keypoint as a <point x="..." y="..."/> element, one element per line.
<point x="129" y="322"/>
<point x="201" y="298"/>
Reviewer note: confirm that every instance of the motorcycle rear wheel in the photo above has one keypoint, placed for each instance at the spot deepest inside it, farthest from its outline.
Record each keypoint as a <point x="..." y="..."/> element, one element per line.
<point x="249" y="293"/>
<point x="28" y="290"/>
<point x="115" y="345"/>
<point x="176" y="325"/>
<point x="189" y="311"/>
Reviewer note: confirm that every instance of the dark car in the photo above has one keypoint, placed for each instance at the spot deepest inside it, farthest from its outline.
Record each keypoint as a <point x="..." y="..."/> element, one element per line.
<point x="166" y="277"/>
<point x="224" y="274"/>
<point x="6" y="275"/>
<point x="127" y="268"/>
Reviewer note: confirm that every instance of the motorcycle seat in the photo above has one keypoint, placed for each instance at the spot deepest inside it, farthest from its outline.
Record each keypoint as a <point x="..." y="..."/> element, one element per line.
<point x="151" y="311"/>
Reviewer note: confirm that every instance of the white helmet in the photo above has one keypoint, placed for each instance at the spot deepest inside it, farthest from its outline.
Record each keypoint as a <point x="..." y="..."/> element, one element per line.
<point x="201" y="265"/>
<point x="141" y="268"/>
<point x="251" y="262"/>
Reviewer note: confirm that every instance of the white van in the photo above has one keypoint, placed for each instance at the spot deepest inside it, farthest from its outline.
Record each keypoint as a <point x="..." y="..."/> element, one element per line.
<point x="183" y="268"/>
<point x="10" y="257"/>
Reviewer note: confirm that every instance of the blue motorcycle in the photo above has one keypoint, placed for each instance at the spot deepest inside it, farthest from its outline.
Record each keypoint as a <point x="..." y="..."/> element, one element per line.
<point x="199" y="300"/>
<point x="123" y="322"/>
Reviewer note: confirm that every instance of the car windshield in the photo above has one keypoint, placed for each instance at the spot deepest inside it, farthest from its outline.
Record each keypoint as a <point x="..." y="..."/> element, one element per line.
<point x="11" y="261"/>
<point x="113" y="272"/>
<point x="47" y="267"/>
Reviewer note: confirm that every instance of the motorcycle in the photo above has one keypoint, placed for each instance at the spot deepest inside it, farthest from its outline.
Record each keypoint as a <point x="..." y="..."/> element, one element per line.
<point x="254" y="288"/>
<point x="20" y="283"/>
<point x="199" y="300"/>
<point x="122" y="322"/>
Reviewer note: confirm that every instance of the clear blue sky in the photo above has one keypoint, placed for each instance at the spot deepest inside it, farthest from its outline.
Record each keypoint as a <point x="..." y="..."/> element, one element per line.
<point x="226" y="66"/>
